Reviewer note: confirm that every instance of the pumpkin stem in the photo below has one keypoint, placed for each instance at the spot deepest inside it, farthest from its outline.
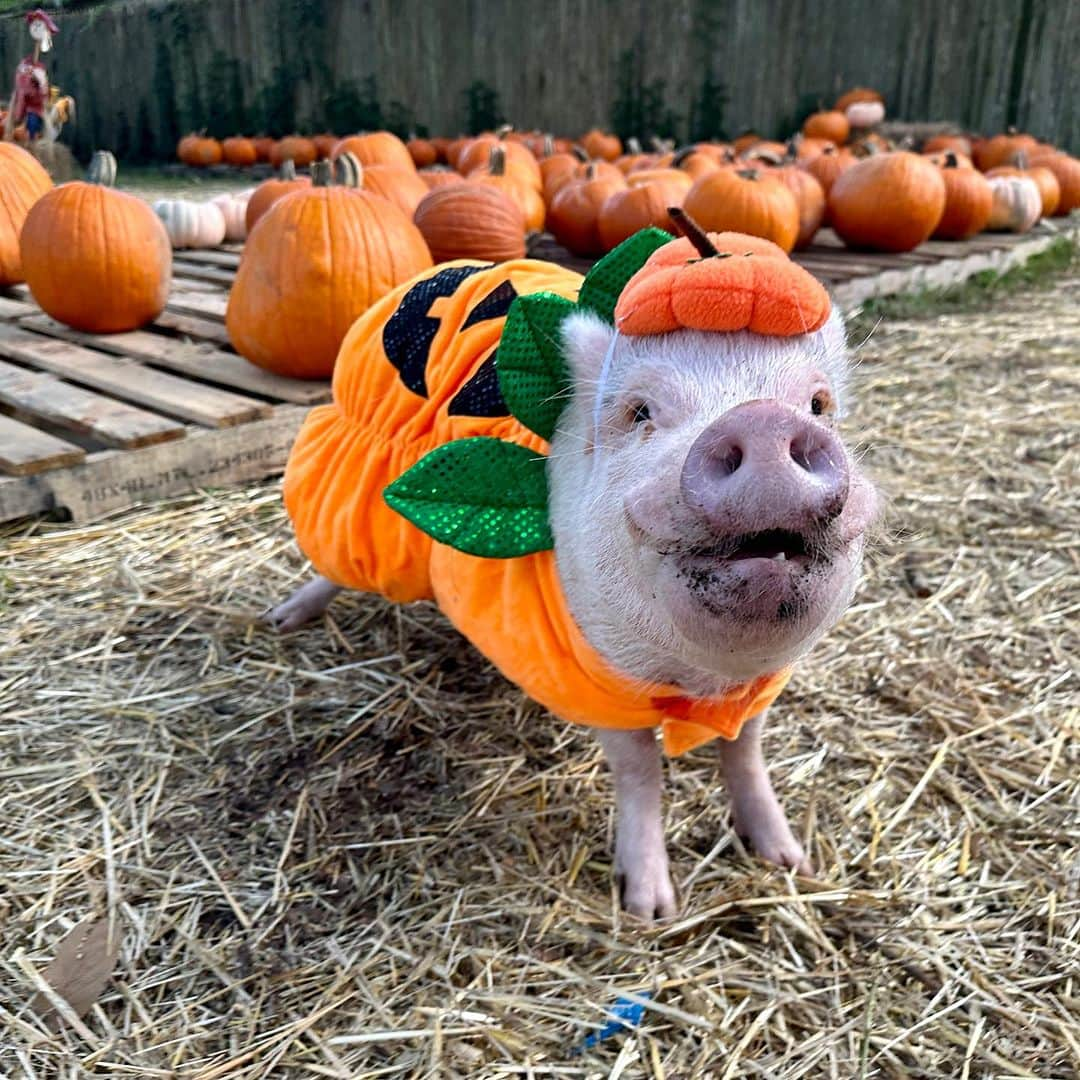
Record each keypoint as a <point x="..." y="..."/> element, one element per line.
<point x="549" y="146"/>
<point x="791" y="153"/>
<point x="497" y="161"/>
<point x="1020" y="160"/>
<point x="682" y="155"/>
<point x="686" y="226"/>
<point x="748" y="174"/>
<point x="348" y="172"/>
<point x="503" y="131"/>
<point x="633" y="145"/>
<point x="288" y="169"/>
<point x="102" y="169"/>
<point x="322" y="174"/>
<point x="590" y="171"/>
<point x="579" y="152"/>
<point x="951" y="160"/>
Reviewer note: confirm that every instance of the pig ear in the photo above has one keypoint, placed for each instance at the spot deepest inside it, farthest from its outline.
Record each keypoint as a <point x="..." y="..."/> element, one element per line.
<point x="586" y="339"/>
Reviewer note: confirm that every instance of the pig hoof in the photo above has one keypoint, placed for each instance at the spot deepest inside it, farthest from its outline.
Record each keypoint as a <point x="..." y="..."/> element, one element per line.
<point x="307" y="603"/>
<point x="773" y="841"/>
<point x="648" y="893"/>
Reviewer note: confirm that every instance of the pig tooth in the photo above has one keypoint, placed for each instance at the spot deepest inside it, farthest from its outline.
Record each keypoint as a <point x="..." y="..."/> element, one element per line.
<point x="780" y="557"/>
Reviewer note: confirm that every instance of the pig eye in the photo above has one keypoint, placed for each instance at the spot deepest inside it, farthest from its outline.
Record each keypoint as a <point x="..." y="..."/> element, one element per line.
<point x="640" y="413"/>
<point x="821" y="403"/>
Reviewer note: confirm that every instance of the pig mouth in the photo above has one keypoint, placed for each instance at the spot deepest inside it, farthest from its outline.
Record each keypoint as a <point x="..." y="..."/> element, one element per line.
<point x="779" y="545"/>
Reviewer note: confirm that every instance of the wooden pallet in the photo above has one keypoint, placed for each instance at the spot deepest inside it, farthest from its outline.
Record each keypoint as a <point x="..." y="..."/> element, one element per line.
<point x="90" y="423"/>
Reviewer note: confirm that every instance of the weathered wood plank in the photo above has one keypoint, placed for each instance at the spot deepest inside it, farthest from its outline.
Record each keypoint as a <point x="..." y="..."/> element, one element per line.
<point x="128" y="379"/>
<point x="193" y="326"/>
<point x="36" y="396"/>
<point x="228" y="260"/>
<point x="117" y="479"/>
<point x="25" y="450"/>
<point x="182" y="268"/>
<point x="209" y="304"/>
<point x="14" y="309"/>
<point x="203" y="362"/>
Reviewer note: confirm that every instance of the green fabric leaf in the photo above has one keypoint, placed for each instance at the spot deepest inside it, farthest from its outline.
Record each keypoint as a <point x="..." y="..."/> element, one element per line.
<point x="484" y="496"/>
<point x="608" y="277"/>
<point x="533" y="377"/>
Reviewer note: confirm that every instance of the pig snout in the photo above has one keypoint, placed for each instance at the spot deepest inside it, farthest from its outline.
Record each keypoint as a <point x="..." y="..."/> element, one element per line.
<point x="764" y="465"/>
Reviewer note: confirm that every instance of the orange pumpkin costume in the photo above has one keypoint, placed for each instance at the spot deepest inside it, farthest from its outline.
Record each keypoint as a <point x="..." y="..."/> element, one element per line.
<point x="415" y="372"/>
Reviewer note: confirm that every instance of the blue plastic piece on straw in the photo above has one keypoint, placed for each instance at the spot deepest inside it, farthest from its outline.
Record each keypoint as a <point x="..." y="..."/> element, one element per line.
<point x="625" y="1014"/>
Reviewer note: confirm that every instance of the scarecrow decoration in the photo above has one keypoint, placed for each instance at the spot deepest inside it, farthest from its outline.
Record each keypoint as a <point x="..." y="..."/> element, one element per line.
<point x="36" y="111"/>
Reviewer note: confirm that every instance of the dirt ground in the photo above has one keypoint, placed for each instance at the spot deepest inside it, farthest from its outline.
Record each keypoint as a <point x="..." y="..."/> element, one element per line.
<point x="356" y="852"/>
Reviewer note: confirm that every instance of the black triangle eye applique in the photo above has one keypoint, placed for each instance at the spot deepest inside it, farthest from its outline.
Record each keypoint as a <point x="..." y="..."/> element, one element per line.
<point x="494" y="306"/>
<point x="481" y="395"/>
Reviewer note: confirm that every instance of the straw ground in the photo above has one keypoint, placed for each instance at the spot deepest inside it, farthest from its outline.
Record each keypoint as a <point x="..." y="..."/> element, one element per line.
<point x="356" y="852"/>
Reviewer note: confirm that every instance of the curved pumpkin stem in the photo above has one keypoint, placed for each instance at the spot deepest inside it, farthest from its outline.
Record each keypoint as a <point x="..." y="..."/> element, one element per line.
<point x="348" y="172"/>
<point x="579" y="152"/>
<point x="686" y="226"/>
<point x="549" y="146"/>
<point x="287" y="170"/>
<point x="322" y="174"/>
<point x="793" y="144"/>
<point x="102" y="169"/>
<point x="633" y="146"/>
<point x="681" y="155"/>
<point x="497" y="161"/>
<point x="1020" y="160"/>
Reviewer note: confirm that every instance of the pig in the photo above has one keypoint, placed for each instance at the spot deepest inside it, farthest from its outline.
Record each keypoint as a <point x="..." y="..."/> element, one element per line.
<point x="709" y="527"/>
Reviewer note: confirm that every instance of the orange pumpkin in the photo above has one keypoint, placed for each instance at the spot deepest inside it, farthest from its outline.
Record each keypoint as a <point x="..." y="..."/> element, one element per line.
<point x="953" y="158"/>
<point x="376" y="148"/>
<point x="804" y="148"/>
<point x="765" y="150"/>
<point x="440" y="144"/>
<point x="239" y="152"/>
<point x="294" y="148"/>
<point x="1001" y="149"/>
<point x="676" y="179"/>
<point x="471" y="221"/>
<point x="827" y="166"/>
<point x="1066" y="170"/>
<point x="22" y="182"/>
<point x="269" y="191"/>
<point x="958" y="144"/>
<point x="626" y="212"/>
<point x="403" y="189"/>
<point x="745" y="201"/>
<point x="745" y="141"/>
<point x="199" y="151"/>
<point x="186" y="147"/>
<point x="968" y="201"/>
<point x="557" y="169"/>
<point x="599" y="144"/>
<point x="573" y="216"/>
<point x="857" y="96"/>
<point x="695" y="163"/>
<point x="439" y="176"/>
<point x="96" y="259"/>
<point x="810" y="197"/>
<point x="518" y="160"/>
<point x="317" y="260"/>
<point x="832" y="125"/>
<point x="324" y="144"/>
<point x="422" y="152"/>
<point x="887" y="202"/>
<point x="264" y="147"/>
<point x="516" y="185"/>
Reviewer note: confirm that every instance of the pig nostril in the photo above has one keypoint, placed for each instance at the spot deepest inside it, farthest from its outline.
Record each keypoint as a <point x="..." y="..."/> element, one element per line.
<point x="809" y="456"/>
<point x="729" y="460"/>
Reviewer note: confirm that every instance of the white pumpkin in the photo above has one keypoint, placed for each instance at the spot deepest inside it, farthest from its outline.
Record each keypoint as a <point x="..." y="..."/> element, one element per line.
<point x="191" y="224"/>
<point x="233" y="206"/>
<point x="1017" y="204"/>
<point x="864" y="114"/>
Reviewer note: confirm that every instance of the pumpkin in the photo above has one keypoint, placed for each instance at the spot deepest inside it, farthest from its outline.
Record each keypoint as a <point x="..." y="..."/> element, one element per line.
<point x="440" y="176"/>
<point x="887" y="202"/>
<point x="828" y="165"/>
<point x="269" y="191"/>
<point x="626" y="212"/>
<point x="1001" y="149"/>
<point x="1045" y="180"/>
<point x="294" y="148"/>
<point x="454" y="149"/>
<point x="518" y="160"/>
<point x="186" y="149"/>
<point x="968" y="200"/>
<point x="233" y="207"/>
<point x="695" y="163"/>
<point x="324" y="144"/>
<point x="422" y="152"/>
<point x="805" y="148"/>
<point x="574" y="212"/>
<point x="1066" y="171"/>
<point x="191" y="224"/>
<point x="1016" y="204"/>
<point x="865" y="114"/>
<point x="857" y="96"/>
<point x="958" y="144"/>
<point x="745" y="141"/>
<point x="264" y="147"/>
<point x="599" y="144"/>
<point x="22" y="182"/>
<point x="745" y="201"/>
<point x="239" y="152"/>
<point x="832" y="125"/>
<point x="471" y="221"/>
<point x="440" y="144"/>
<point x="810" y="197"/>
<point x="557" y="169"/>
<point x="516" y="186"/>
<point x="315" y="262"/>
<point x="403" y="189"/>
<point x="765" y="150"/>
<point x="96" y="259"/>
<point x="951" y="158"/>
<point x="676" y="179"/>
<point x="376" y="148"/>
<point x="199" y="151"/>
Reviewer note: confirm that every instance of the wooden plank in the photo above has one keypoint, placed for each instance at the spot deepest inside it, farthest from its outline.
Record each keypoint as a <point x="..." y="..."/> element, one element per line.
<point x="117" y="479"/>
<point x="193" y="326"/>
<point x="25" y="450"/>
<point x="203" y="362"/>
<point x="14" y="309"/>
<point x="228" y="260"/>
<point x="193" y="271"/>
<point x="36" y="396"/>
<point x="128" y="379"/>
<point x="209" y="304"/>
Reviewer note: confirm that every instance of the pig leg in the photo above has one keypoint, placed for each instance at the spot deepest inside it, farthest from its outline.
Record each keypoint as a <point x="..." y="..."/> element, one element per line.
<point x="755" y="810"/>
<point x="307" y="603"/>
<point x="641" y="862"/>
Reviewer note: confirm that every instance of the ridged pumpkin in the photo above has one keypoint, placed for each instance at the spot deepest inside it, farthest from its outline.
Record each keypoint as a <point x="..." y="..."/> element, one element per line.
<point x="22" y="182"/>
<point x="626" y="212"/>
<point x="1016" y="206"/>
<point x="422" y="152"/>
<point x="96" y="259"/>
<point x="515" y="185"/>
<point x="295" y="148"/>
<point x="519" y="161"/>
<point x="695" y="163"/>
<point x="440" y="176"/>
<point x="269" y="191"/>
<point x="1045" y="181"/>
<point x="315" y="262"/>
<point x="403" y="189"/>
<point x="599" y="144"/>
<point x="810" y="197"/>
<point x="376" y="148"/>
<point x="1066" y="171"/>
<point x="574" y="212"/>
<point x="887" y="202"/>
<point x="674" y="178"/>
<point x="1001" y="149"/>
<point x="191" y="224"/>
<point x="828" y="165"/>
<point x="968" y="201"/>
<point x="745" y="201"/>
<point x="556" y="170"/>
<point x="471" y="221"/>
<point x="239" y="152"/>
<point x="830" y="124"/>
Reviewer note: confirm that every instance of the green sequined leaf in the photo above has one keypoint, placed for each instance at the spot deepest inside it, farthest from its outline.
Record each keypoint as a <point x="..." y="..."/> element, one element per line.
<point x="533" y="377"/>
<point x="484" y="496"/>
<point x="608" y="277"/>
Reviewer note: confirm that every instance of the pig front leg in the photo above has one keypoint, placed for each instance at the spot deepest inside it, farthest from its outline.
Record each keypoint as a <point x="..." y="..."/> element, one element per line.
<point x="755" y="809"/>
<point x="307" y="603"/>
<point x="641" y="862"/>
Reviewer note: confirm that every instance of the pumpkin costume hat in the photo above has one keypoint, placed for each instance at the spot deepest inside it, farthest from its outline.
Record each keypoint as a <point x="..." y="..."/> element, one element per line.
<point x="429" y="480"/>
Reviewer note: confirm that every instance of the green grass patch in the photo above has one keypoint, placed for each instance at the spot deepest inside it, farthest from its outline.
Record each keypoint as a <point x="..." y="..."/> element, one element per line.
<point x="978" y="293"/>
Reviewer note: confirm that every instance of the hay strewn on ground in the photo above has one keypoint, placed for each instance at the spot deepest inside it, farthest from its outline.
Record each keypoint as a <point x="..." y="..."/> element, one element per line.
<point x="356" y="853"/>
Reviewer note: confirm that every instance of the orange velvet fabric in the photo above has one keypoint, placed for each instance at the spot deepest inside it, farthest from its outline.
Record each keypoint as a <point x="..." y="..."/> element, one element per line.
<point x="512" y="610"/>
